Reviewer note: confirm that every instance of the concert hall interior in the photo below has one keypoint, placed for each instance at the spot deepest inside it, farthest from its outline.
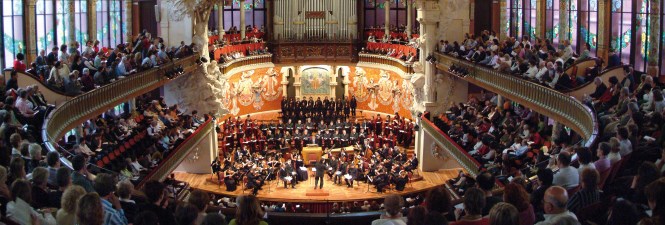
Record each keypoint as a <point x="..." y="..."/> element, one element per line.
<point x="281" y="112"/>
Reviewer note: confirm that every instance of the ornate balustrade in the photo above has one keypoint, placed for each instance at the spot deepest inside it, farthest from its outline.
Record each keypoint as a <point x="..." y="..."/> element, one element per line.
<point x="88" y="105"/>
<point x="449" y="145"/>
<point x="251" y="60"/>
<point x="387" y="61"/>
<point x="544" y="100"/>
<point x="177" y="155"/>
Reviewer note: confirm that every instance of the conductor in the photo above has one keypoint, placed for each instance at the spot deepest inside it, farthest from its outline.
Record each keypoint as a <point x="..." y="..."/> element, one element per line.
<point x="320" y="171"/>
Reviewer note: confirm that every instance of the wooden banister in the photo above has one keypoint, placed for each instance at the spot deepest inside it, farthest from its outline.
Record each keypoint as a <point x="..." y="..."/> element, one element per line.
<point x="88" y="105"/>
<point x="549" y="102"/>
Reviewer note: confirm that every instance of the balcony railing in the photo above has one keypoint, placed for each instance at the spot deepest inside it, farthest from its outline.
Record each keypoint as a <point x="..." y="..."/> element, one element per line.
<point x="457" y="152"/>
<point x="544" y="100"/>
<point x="177" y="155"/>
<point x="88" y="105"/>
<point x="251" y="60"/>
<point x="386" y="61"/>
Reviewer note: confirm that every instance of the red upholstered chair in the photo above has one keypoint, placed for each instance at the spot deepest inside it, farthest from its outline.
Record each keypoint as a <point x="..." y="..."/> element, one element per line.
<point x="312" y="158"/>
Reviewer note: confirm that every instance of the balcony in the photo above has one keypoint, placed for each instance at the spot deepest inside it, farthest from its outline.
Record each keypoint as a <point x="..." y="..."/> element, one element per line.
<point x="549" y="102"/>
<point x="386" y="61"/>
<point x="77" y="110"/>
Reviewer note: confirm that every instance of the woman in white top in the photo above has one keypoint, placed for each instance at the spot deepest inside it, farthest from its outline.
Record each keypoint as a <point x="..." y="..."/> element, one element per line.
<point x="614" y="155"/>
<point x="19" y="209"/>
<point x="585" y="160"/>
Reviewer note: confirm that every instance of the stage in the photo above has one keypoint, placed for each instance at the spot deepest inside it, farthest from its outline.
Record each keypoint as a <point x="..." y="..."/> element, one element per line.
<point x="304" y="191"/>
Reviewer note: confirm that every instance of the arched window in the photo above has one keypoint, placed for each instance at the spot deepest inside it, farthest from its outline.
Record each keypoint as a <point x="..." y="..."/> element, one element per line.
<point x="109" y="20"/>
<point x="522" y="18"/>
<point x="620" y="28"/>
<point x="374" y="13"/>
<point x="530" y="15"/>
<point x="641" y="39"/>
<point x="515" y="12"/>
<point x="255" y="14"/>
<point x="588" y="20"/>
<point x="46" y="34"/>
<point x="81" y="19"/>
<point x="572" y="22"/>
<point x="12" y="30"/>
<point x="61" y="22"/>
<point x="552" y="21"/>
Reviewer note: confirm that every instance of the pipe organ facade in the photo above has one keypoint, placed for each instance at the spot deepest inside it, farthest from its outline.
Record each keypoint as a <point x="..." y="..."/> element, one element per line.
<point x="315" y="19"/>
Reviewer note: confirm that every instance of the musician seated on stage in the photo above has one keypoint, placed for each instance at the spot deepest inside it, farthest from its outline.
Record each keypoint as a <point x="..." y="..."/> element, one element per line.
<point x="287" y="175"/>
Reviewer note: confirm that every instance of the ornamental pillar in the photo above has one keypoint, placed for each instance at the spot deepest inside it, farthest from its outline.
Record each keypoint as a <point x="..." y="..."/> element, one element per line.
<point x="242" y="19"/>
<point x="504" y="31"/>
<point x="409" y="14"/>
<point x="127" y="25"/>
<point x="541" y="6"/>
<point x="92" y="20"/>
<point x="428" y="16"/>
<point x="603" y="29"/>
<point x="386" y="13"/>
<point x="220" y="20"/>
<point x="31" y="40"/>
<point x="71" y="22"/>
<point x="654" y="36"/>
<point x="564" y="29"/>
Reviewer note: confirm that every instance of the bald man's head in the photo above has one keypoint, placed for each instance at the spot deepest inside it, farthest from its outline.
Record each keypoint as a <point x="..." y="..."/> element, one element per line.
<point x="555" y="200"/>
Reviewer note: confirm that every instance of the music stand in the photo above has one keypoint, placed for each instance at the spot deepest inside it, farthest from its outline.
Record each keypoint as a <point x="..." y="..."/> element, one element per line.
<point x="369" y="181"/>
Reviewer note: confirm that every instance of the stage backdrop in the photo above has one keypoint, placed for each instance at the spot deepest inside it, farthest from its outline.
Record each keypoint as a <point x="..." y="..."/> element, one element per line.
<point x="381" y="91"/>
<point x="253" y="91"/>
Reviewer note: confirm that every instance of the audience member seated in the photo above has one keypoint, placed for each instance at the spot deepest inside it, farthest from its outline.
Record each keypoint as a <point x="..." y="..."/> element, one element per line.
<point x="393" y="206"/>
<point x="474" y="202"/>
<point x="555" y="201"/>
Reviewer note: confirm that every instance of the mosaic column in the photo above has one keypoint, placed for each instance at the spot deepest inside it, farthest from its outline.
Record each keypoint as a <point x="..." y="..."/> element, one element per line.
<point x="30" y="21"/>
<point x="242" y="18"/>
<point x="563" y="21"/>
<point x="603" y="34"/>
<point x="92" y="20"/>
<point x="654" y="37"/>
<point x="541" y="7"/>
<point x="71" y="22"/>
<point x="409" y="14"/>
<point x="127" y="25"/>
<point x="503" y="20"/>
<point x="386" y="10"/>
<point x="220" y="19"/>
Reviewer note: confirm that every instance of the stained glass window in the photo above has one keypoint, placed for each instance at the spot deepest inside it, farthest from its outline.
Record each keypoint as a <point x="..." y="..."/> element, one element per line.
<point x="46" y="34"/>
<point x="530" y="15"/>
<point x="255" y="14"/>
<point x="516" y="17"/>
<point x="109" y="19"/>
<point x="662" y="42"/>
<point x="620" y="28"/>
<point x="588" y="19"/>
<point x="61" y="21"/>
<point x="572" y="23"/>
<point x="81" y="19"/>
<point x="12" y="30"/>
<point x="552" y="21"/>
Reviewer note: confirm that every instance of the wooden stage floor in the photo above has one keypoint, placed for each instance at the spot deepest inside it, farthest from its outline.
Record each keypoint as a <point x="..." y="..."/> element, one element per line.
<point x="304" y="190"/>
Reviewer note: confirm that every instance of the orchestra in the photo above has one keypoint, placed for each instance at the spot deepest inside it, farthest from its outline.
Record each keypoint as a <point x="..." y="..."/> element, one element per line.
<point x="372" y="150"/>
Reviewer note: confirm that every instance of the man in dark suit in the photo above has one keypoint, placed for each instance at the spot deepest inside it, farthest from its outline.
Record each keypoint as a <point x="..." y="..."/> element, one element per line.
<point x="353" y="104"/>
<point x="320" y="171"/>
<point x="285" y="172"/>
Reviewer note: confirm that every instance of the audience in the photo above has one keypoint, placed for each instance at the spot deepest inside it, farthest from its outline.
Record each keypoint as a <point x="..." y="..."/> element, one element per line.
<point x="105" y="186"/>
<point x="567" y="177"/>
<point x="555" y="201"/>
<point x="157" y="201"/>
<point x="505" y="214"/>
<point x="19" y="209"/>
<point x="588" y="194"/>
<point x="90" y="210"/>
<point x="393" y="206"/>
<point x="474" y="202"/>
<point x="248" y="212"/>
<point x="67" y="212"/>
<point x="515" y="195"/>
